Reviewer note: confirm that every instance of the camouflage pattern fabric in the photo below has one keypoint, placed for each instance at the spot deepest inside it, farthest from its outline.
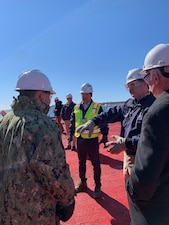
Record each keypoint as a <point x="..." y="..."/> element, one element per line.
<point x="34" y="176"/>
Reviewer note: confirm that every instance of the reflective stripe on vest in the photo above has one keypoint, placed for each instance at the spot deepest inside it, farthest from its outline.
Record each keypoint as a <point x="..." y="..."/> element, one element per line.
<point x="79" y="120"/>
<point x="95" y="131"/>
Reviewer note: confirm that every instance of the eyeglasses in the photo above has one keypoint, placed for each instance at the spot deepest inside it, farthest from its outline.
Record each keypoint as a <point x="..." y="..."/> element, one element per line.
<point x="146" y="78"/>
<point x="134" y="84"/>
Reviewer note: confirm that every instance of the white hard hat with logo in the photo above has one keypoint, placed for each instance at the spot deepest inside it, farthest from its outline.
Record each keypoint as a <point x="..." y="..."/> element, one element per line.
<point x="86" y="88"/>
<point x="133" y="75"/>
<point x="34" y="80"/>
<point x="68" y="95"/>
<point x="156" y="57"/>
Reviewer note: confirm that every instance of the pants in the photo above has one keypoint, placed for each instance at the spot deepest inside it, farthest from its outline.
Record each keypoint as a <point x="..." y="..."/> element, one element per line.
<point x="128" y="163"/>
<point x="67" y="124"/>
<point x="58" y="120"/>
<point x="90" y="148"/>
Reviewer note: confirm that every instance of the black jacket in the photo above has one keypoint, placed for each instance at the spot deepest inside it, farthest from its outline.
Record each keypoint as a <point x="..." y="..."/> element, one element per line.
<point x="148" y="185"/>
<point x="58" y="107"/>
<point x="130" y="114"/>
<point x="66" y="111"/>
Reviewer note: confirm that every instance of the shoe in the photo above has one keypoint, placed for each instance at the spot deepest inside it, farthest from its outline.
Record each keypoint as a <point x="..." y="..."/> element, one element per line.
<point x="81" y="187"/>
<point x="68" y="147"/>
<point x="73" y="148"/>
<point x="97" y="192"/>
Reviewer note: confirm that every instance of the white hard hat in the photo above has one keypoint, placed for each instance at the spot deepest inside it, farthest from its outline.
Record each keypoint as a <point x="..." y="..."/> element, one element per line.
<point x="134" y="74"/>
<point x="68" y="95"/>
<point x="56" y="99"/>
<point x="34" y="80"/>
<point x="156" y="57"/>
<point x="86" y="88"/>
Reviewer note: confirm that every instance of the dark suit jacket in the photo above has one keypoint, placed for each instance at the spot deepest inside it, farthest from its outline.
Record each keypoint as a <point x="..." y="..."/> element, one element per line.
<point x="148" y="185"/>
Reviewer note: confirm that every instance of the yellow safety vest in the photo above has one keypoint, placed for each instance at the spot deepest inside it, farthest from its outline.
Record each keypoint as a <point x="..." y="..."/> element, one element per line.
<point x="79" y="120"/>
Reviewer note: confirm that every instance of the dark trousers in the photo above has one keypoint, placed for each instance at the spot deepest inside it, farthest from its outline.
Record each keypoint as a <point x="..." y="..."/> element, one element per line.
<point x="90" y="148"/>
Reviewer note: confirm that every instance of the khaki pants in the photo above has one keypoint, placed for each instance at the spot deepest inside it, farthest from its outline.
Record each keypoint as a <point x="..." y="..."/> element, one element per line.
<point x="128" y="163"/>
<point x="58" y="120"/>
<point x="67" y="124"/>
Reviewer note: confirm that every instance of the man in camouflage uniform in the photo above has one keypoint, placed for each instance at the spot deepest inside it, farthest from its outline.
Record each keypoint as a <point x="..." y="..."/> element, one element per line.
<point x="35" y="182"/>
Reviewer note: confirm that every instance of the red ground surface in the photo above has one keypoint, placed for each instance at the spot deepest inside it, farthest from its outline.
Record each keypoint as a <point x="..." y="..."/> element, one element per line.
<point x="112" y="206"/>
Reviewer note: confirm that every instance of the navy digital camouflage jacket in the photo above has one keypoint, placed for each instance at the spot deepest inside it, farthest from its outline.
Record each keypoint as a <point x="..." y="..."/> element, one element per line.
<point x="34" y="175"/>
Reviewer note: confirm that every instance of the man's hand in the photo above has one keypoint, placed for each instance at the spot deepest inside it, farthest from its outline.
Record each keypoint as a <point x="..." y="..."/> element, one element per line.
<point x="104" y="141"/>
<point x="65" y="212"/>
<point x="118" y="145"/>
<point x="87" y="126"/>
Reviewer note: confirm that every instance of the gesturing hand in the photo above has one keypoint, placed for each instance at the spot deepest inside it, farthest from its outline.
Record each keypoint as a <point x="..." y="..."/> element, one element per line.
<point x="87" y="126"/>
<point x="118" y="145"/>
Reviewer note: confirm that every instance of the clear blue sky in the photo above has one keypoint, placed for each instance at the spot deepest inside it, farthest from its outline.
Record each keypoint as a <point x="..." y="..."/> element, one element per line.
<point x="78" y="41"/>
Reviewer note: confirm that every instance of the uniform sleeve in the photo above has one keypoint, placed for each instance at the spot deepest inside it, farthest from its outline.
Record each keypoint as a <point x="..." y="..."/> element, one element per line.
<point x="49" y="164"/>
<point x="114" y="114"/>
<point x="103" y="127"/>
<point x="131" y="144"/>
<point x="152" y="152"/>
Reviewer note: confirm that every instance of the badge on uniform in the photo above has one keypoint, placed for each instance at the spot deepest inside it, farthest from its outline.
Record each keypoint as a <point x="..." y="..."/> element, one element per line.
<point x="83" y="120"/>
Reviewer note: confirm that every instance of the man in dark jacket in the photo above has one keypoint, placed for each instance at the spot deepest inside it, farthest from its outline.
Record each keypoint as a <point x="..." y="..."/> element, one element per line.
<point x="57" y="112"/>
<point x="130" y="114"/>
<point x="148" y="185"/>
<point x="66" y="112"/>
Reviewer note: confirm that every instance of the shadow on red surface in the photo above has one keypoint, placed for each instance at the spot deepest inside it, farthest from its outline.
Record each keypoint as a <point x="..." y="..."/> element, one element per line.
<point x="112" y="206"/>
<point x="114" y="163"/>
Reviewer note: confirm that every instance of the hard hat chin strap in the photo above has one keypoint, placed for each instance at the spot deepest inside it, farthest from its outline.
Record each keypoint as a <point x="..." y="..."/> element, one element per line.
<point x="165" y="74"/>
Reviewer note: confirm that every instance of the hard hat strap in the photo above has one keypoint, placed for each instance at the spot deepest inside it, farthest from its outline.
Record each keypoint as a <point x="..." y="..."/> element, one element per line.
<point x="163" y="72"/>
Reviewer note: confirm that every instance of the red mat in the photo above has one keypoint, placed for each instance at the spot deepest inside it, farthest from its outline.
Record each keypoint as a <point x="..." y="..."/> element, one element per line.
<point x="112" y="206"/>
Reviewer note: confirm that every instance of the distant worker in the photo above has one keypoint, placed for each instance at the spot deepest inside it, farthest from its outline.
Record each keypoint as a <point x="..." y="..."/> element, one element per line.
<point x="35" y="182"/>
<point x="57" y="113"/>
<point x="130" y="114"/>
<point x="88" y="146"/>
<point x="148" y="185"/>
<point x="66" y="112"/>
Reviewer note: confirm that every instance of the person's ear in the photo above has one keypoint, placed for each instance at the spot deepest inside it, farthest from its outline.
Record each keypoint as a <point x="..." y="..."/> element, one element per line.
<point x="156" y="77"/>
